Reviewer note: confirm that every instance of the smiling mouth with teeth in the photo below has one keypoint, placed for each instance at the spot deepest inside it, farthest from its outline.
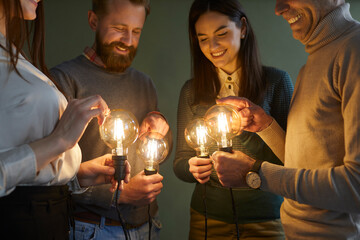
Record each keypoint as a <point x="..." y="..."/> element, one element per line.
<point x="121" y="49"/>
<point x="294" y="19"/>
<point x="218" y="53"/>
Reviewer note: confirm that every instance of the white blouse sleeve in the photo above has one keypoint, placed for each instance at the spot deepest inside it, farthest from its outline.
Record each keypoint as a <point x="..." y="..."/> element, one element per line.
<point x="17" y="166"/>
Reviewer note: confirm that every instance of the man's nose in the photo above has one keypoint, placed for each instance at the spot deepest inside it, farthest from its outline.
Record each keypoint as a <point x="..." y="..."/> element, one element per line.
<point x="127" y="38"/>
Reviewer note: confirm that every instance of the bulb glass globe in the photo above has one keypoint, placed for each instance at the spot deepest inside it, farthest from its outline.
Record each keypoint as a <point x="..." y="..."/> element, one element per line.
<point x="152" y="149"/>
<point x="223" y="124"/>
<point x="197" y="137"/>
<point x="119" y="130"/>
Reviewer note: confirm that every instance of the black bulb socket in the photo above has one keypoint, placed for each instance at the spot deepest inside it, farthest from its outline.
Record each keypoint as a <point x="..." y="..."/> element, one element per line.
<point x="120" y="167"/>
<point x="226" y="149"/>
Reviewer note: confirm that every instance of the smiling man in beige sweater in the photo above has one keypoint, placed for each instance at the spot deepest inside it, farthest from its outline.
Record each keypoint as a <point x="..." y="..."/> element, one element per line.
<point x="320" y="179"/>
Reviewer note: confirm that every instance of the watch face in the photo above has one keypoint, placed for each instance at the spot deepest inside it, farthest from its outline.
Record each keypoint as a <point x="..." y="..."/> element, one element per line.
<point x="253" y="180"/>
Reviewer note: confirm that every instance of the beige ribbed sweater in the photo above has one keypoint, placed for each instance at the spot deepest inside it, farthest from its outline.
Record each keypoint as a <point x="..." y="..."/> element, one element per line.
<point x="321" y="177"/>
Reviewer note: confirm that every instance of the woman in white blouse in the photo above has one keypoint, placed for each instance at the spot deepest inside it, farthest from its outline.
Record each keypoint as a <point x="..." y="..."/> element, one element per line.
<point x="39" y="131"/>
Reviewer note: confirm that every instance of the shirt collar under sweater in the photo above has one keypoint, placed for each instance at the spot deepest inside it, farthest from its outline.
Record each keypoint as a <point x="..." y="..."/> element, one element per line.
<point x="229" y="83"/>
<point x="91" y="55"/>
<point x="331" y="27"/>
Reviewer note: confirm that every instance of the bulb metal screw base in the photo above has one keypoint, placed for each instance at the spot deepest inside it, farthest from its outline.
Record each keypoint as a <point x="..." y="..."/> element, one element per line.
<point x="120" y="167"/>
<point x="150" y="171"/>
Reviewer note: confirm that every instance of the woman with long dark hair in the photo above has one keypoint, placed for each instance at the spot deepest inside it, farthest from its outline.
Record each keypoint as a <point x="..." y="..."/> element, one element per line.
<point x="226" y="62"/>
<point x="39" y="156"/>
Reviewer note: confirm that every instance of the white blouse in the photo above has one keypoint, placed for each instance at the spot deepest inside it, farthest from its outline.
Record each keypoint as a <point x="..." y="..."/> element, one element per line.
<point x="30" y="107"/>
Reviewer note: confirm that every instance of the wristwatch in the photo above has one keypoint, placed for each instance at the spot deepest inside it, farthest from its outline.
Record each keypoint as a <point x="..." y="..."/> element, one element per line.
<point x="253" y="179"/>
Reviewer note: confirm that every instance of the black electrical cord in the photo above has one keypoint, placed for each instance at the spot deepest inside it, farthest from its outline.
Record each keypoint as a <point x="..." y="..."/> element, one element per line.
<point x="205" y="209"/>
<point x="150" y="222"/>
<point x="126" y="232"/>
<point x="148" y="173"/>
<point x="235" y="214"/>
<point x="204" y="199"/>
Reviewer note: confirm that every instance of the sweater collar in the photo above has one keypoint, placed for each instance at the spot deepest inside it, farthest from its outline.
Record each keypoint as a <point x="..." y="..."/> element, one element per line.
<point x="330" y="27"/>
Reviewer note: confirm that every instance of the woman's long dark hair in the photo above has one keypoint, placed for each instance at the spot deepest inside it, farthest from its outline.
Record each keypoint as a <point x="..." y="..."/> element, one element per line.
<point x="19" y="32"/>
<point x="205" y="79"/>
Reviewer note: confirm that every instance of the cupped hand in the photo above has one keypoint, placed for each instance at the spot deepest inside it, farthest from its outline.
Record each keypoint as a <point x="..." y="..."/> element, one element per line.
<point x="96" y="171"/>
<point x="141" y="189"/>
<point x="101" y="171"/>
<point x="200" y="168"/>
<point x="231" y="168"/>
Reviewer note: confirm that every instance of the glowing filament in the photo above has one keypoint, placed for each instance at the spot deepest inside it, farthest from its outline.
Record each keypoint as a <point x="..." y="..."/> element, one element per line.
<point x="119" y="135"/>
<point x="223" y="128"/>
<point x="152" y="150"/>
<point x="201" y="135"/>
<point x="119" y="130"/>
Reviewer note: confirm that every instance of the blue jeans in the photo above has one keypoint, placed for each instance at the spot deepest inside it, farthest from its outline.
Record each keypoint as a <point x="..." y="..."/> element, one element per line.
<point x="101" y="231"/>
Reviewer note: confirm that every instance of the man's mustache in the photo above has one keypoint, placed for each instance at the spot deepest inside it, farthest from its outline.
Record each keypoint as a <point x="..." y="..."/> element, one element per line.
<point x="121" y="45"/>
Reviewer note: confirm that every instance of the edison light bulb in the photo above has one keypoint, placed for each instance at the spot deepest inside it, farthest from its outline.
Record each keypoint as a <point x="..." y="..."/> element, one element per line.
<point x="223" y="124"/>
<point x="152" y="149"/>
<point x="119" y="130"/>
<point x="197" y="137"/>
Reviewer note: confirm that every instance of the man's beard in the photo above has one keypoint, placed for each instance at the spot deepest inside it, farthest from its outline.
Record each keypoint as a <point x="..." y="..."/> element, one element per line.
<point x="114" y="62"/>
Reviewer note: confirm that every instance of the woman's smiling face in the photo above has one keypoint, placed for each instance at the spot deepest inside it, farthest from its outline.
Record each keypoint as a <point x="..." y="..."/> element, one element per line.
<point x="219" y="40"/>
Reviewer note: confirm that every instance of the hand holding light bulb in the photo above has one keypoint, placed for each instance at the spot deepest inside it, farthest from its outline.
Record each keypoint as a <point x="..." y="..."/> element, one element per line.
<point x="253" y="117"/>
<point x="197" y="138"/>
<point x="100" y="171"/>
<point x="232" y="168"/>
<point x="145" y="186"/>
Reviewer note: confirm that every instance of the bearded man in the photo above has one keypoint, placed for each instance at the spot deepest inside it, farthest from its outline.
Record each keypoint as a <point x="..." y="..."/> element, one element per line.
<point x="104" y="69"/>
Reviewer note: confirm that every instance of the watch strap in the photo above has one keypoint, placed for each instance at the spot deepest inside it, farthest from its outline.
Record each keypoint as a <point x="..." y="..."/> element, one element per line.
<point x="256" y="166"/>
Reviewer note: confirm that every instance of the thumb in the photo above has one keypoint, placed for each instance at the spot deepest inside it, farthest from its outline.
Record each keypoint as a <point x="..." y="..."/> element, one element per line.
<point x="106" y="170"/>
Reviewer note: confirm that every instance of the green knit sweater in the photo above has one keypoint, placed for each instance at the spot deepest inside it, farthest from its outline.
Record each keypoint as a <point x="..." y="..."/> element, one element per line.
<point x="251" y="205"/>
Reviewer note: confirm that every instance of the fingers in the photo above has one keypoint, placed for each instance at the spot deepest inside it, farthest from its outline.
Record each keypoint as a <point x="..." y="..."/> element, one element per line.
<point x="203" y="177"/>
<point x="156" y="178"/>
<point x="94" y="106"/>
<point x="218" y="159"/>
<point x="128" y="171"/>
<point x="106" y="170"/>
<point x="154" y="122"/>
<point x="195" y="161"/>
<point x="203" y="180"/>
<point x="200" y="168"/>
<point x="238" y="102"/>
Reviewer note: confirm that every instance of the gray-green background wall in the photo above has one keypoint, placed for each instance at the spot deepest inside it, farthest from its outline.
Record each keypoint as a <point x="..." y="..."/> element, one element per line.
<point x="164" y="55"/>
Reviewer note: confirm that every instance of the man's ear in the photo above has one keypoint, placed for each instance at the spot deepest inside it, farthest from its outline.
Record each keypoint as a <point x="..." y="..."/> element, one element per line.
<point x="93" y="20"/>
